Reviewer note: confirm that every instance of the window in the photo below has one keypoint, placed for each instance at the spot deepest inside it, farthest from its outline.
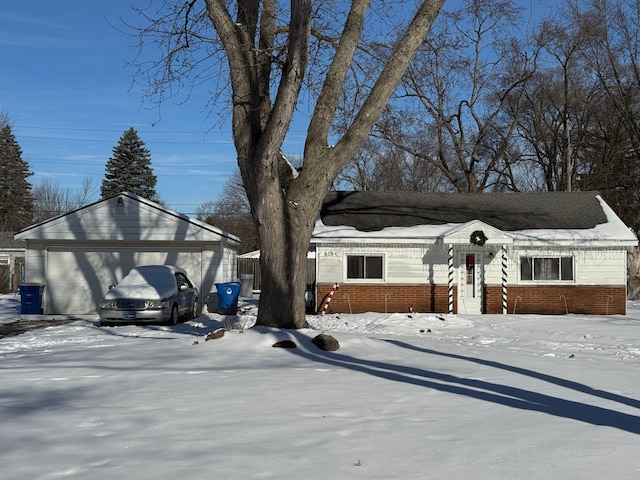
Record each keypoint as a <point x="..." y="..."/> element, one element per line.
<point x="541" y="269"/>
<point x="183" y="282"/>
<point x="363" y="266"/>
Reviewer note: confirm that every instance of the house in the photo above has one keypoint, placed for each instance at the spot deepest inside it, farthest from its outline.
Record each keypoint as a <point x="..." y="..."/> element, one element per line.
<point x="11" y="262"/>
<point x="539" y="252"/>
<point x="78" y="255"/>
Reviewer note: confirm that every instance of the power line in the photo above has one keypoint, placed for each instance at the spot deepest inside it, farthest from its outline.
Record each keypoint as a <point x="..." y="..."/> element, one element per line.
<point x="107" y="140"/>
<point x="75" y="129"/>
<point x="205" y="133"/>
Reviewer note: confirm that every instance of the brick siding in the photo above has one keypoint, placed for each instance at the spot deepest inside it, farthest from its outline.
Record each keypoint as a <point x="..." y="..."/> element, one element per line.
<point x="548" y="300"/>
<point x="558" y="300"/>
<point x="352" y="298"/>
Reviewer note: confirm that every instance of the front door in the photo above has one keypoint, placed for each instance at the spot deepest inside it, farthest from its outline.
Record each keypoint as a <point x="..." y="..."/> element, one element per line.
<point x="470" y="286"/>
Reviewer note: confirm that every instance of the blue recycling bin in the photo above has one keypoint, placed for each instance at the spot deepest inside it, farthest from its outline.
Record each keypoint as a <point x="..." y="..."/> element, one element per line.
<point x="228" y="294"/>
<point x="31" y="298"/>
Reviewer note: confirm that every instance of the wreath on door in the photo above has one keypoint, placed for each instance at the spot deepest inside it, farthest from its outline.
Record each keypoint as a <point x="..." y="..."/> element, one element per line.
<point x="478" y="238"/>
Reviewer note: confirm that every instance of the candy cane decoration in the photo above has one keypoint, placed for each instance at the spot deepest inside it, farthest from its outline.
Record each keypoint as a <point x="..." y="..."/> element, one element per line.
<point x="328" y="298"/>
<point x="450" y="279"/>
<point x="504" y="280"/>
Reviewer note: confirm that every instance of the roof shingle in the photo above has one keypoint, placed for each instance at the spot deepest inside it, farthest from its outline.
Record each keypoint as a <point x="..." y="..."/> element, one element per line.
<point x="373" y="211"/>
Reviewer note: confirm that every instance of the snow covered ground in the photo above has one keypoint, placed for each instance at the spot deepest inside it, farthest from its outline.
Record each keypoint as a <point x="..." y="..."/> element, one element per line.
<point x="406" y="397"/>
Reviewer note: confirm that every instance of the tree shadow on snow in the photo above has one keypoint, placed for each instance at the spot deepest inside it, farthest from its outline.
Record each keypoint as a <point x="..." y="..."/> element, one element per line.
<point x="632" y="402"/>
<point x="513" y="397"/>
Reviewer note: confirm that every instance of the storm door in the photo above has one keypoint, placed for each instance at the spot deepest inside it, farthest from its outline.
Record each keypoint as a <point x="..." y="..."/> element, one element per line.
<point x="470" y="283"/>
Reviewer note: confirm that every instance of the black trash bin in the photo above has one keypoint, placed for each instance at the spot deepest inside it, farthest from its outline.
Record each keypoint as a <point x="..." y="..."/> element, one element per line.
<point x="31" y="298"/>
<point x="310" y="298"/>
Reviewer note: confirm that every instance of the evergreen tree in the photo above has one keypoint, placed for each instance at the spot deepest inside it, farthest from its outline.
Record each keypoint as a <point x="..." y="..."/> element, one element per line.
<point x="16" y="199"/>
<point x="129" y="169"/>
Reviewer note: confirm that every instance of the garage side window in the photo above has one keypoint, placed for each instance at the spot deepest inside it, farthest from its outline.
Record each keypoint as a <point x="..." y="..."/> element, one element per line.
<point x="364" y="266"/>
<point x="545" y="269"/>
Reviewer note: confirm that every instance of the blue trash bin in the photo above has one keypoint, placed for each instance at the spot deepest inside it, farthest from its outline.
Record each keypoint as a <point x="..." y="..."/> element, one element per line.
<point x="31" y="298"/>
<point x="228" y="294"/>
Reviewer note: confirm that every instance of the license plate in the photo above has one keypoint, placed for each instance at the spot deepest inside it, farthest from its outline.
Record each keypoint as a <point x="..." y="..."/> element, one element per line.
<point x="129" y="316"/>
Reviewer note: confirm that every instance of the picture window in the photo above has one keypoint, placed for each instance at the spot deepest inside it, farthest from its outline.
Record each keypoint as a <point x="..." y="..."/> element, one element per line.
<point x="364" y="267"/>
<point x="546" y="269"/>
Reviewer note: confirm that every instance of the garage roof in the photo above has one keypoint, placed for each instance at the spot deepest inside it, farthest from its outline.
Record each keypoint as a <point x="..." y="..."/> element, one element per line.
<point x="125" y="216"/>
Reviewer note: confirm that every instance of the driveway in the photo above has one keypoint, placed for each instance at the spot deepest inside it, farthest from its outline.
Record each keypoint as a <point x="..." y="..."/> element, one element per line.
<point x="20" y="326"/>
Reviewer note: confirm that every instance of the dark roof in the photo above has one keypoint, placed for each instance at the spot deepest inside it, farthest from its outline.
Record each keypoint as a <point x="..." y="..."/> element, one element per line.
<point x="372" y="211"/>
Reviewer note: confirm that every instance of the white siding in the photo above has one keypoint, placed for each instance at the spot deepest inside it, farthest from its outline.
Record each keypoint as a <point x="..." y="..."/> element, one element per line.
<point x="134" y="221"/>
<point x="211" y="271"/>
<point x="330" y="268"/>
<point x="403" y="264"/>
<point x="79" y="254"/>
<point x="606" y="267"/>
<point x="423" y="264"/>
<point x="229" y="264"/>
<point x="493" y="268"/>
<point x="34" y="263"/>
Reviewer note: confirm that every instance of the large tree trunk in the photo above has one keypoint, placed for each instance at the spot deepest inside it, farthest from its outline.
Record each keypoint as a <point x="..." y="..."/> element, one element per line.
<point x="283" y="270"/>
<point x="284" y="205"/>
<point x="284" y="229"/>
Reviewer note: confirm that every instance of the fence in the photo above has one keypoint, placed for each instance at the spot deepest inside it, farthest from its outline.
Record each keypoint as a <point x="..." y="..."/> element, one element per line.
<point x="11" y="276"/>
<point x="252" y="266"/>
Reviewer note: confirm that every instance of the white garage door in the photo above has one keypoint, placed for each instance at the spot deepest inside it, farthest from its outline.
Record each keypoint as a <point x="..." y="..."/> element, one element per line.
<point x="77" y="278"/>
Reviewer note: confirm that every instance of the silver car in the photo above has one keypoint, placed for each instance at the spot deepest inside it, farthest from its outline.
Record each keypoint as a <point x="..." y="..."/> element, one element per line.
<point x="150" y="294"/>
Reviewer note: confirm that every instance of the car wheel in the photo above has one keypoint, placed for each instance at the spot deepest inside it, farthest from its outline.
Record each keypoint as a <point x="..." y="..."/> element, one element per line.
<point x="174" y="315"/>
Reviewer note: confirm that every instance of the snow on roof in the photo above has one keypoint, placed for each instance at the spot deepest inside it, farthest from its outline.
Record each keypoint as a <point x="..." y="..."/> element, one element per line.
<point x="254" y="254"/>
<point x="422" y="219"/>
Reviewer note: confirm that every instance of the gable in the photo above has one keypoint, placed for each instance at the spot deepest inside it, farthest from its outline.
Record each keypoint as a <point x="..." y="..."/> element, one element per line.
<point x="124" y="217"/>
<point x="490" y="236"/>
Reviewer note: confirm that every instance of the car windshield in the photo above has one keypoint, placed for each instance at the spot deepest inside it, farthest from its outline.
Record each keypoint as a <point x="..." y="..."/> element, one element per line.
<point x="140" y="282"/>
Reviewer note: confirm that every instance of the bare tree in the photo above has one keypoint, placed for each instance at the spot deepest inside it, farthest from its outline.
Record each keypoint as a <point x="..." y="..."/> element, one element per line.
<point x="564" y="37"/>
<point x="232" y="213"/>
<point x="51" y="199"/>
<point x="554" y="125"/>
<point x="579" y="118"/>
<point x="612" y="54"/>
<point x="450" y="110"/>
<point x="5" y="119"/>
<point x="380" y="165"/>
<point x="267" y="49"/>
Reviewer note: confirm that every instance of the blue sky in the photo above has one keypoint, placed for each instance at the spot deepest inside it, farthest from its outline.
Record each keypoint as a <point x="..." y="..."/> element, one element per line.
<point x="67" y="92"/>
<point x="69" y="97"/>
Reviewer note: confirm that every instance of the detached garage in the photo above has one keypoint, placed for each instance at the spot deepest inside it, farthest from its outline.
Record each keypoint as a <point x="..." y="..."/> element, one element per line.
<point x="79" y="254"/>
